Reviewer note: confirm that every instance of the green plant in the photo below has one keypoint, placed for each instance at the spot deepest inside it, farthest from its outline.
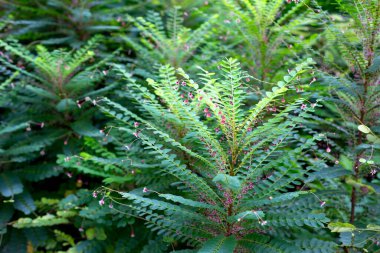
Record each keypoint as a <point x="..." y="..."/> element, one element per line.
<point x="352" y="99"/>
<point x="168" y="41"/>
<point x="231" y="171"/>
<point x="269" y="35"/>
<point x="46" y="109"/>
<point x="57" y="22"/>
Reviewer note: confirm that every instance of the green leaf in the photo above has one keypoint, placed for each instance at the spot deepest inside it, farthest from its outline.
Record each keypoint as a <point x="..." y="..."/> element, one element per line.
<point x="375" y="67"/>
<point x="24" y="203"/>
<point x="10" y="185"/>
<point x="373" y="227"/>
<point x="42" y="221"/>
<point x="249" y="215"/>
<point x="372" y="138"/>
<point x="85" y="128"/>
<point x="96" y="233"/>
<point x="359" y="185"/>
<point x="65" y="105"/>
<point x="364" y="129"/>
<point x="187" y="202"/>
<point x="287" y="79"/>
<point x="231" y="182"/>
<point x="346" y="162"/>
<point x="219" y="244"/>
<point x="13" y="128"/>
<point x="340" y="227"/>
<point x="6" y="212"/>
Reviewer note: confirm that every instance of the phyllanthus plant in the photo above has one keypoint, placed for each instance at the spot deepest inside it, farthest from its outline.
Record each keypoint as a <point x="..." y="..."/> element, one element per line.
<point x="234" y="162"/>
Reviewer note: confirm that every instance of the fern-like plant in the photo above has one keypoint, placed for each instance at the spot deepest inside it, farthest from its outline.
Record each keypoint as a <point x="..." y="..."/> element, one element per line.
<point x="234" y="164"/>
<point x="352" y="63"/>
<point x="64" y="22"/>
<point x="166" y="40"/>
<point x="47" y="106"/>
<point x="269" y="34"/>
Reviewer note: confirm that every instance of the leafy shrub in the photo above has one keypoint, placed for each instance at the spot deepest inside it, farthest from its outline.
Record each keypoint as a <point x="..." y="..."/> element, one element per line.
<point x="57" y="22"/>
<point x="268" y="34"/>
<point x="352" y="100"/>
<point x="168" y="41"/>
<point x="47" y="108"/>
<point x="226" y="157"/>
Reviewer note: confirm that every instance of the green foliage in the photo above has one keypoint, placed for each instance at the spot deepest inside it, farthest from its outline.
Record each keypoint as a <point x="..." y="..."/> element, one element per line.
<point x="46" y="109"/>
<point x="110" y="146"/>
<point x="207" y="151"/>
<point x="168" y="41"/>
<point x="219" y="244"/>
<point x="56" y="22"/>
<point x="352" y="106"/>
<point x="270" y="33"/>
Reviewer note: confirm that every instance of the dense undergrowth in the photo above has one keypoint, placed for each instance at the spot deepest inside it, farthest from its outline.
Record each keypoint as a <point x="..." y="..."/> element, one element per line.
<point x="189" y="126"/>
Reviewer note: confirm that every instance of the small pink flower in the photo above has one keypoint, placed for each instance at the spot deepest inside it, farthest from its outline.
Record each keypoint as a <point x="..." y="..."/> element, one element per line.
<point x="303" y="107"/>
<point x="208" y="115"/>
<point x="42" y="124"/>
<point x="110" y="205"/>
<point x="328" y="149"/>
<point x="145" y="190"/>
<point x="81" y="229"/>
<point x="322" y="203"/>
<point x="263" y="223"/>
<point x="101" y="202"/>
<point x="136" y="124"/>
<point x="95" y="194"/>
<point x="183" y="83"/>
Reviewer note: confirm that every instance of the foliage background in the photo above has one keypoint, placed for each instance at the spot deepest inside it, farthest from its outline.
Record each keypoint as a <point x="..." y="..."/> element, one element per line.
<point x="99" y="111"/>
